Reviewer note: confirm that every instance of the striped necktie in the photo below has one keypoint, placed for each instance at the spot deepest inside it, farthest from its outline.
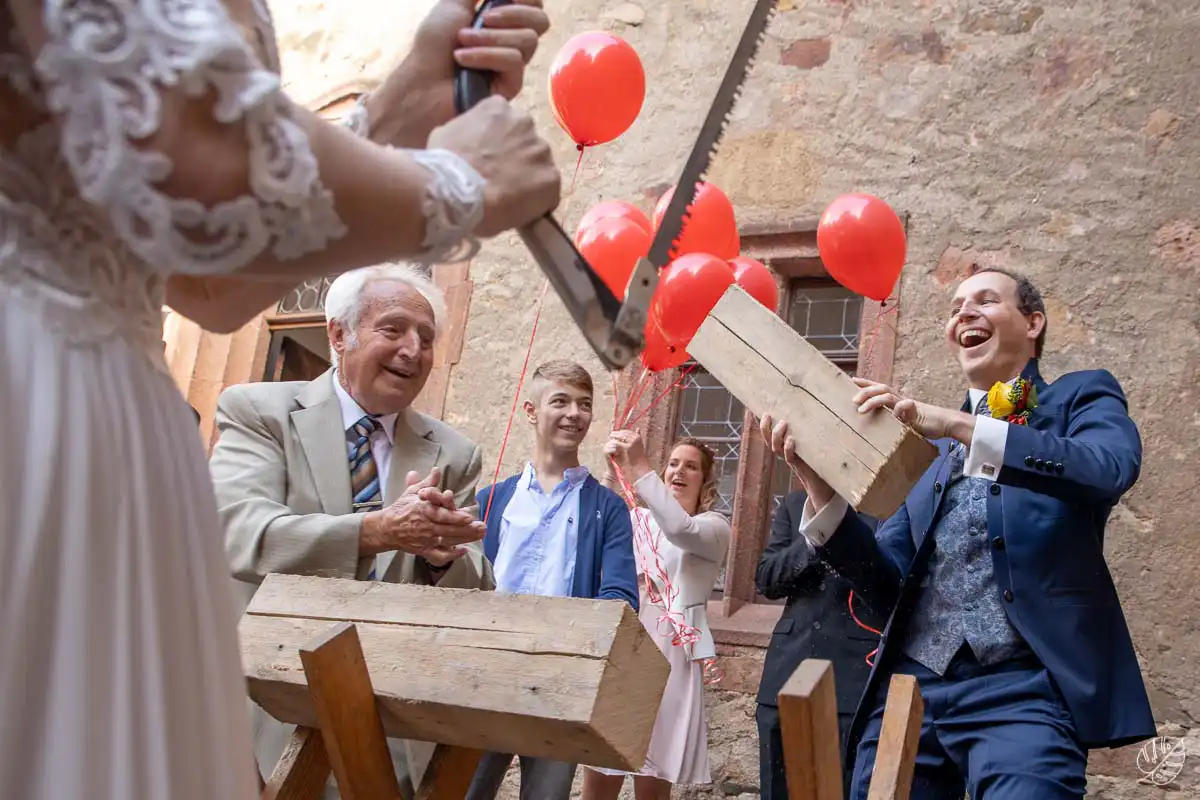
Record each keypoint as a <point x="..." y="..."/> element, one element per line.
<point x="364" y="474"/>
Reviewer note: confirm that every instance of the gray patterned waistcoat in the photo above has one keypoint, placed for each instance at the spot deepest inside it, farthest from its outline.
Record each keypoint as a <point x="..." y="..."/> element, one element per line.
<point x="960" y="600"/>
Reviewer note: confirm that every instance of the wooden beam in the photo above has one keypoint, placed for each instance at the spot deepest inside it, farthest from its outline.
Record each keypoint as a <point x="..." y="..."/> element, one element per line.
<point x="564" y="678"/>
<point x="896" y="756"/>
<point x="303" y="769"/>
<point x="809" y="724"/>
<point x="449" y="773"/>
<point x="871" y="460"/>
<point x="344" y="703"/>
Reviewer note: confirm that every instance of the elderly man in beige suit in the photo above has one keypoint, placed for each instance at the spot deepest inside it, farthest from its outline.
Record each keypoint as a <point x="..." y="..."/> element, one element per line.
<point x="340" y="477"/>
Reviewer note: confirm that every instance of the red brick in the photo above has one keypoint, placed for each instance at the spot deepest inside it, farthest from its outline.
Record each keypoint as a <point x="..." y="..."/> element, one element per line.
<point x="807" y="53"/>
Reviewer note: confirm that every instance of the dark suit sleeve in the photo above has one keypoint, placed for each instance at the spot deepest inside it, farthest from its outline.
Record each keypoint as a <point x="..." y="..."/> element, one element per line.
<point x="618" y="572"/>
<point x="1097" y="460"/>
<point x="787" y="557"/>
<point x="873" y="563"/>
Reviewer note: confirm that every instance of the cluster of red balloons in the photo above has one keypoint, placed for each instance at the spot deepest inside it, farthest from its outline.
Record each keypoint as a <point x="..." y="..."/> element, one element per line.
<point x="613" y="235"/>
<point x="597" y="88"/>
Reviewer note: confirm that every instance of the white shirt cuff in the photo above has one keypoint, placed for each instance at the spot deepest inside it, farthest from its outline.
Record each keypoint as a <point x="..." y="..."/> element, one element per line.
<point x="986" y="455"/>
<point x="817" y="528"/>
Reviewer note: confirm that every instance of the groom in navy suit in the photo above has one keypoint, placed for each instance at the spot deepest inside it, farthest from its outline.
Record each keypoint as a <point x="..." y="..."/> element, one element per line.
<point x="1002" y="605"/>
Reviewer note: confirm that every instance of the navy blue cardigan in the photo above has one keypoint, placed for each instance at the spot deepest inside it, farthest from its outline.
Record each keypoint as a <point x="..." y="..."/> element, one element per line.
<point x="604" y="565"/>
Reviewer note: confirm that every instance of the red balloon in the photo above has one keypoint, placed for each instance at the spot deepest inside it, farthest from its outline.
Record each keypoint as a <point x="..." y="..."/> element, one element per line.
<point x="862" y="244"/>
<point x="613" y="246"/>
<point x="711" y="228"/>
<point x="613" y="209"/>
<point x="657" y="354"/>
<point x="688" y="288"/>
<point x="735" y="242"/>
<point x="756" y="279"/>
<point x="597" y="86"/>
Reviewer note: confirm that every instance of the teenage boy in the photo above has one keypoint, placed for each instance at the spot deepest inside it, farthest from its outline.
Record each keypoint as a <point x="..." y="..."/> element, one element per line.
<point x="554" y="531"/>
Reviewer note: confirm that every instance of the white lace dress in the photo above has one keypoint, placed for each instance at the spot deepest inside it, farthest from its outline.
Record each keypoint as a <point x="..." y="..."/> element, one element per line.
<point x="119" y="666"/>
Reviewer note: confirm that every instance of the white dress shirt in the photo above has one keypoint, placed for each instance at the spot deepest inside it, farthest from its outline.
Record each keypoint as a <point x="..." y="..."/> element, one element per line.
<point x="984" y="459"/>
<point x="539" y="535"/>
<point x="381" y="440"/>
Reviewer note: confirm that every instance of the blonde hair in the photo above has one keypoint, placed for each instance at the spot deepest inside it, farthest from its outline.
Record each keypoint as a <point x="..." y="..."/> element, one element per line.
<point x="708" y="473"/>
<point x="561" y="371"/>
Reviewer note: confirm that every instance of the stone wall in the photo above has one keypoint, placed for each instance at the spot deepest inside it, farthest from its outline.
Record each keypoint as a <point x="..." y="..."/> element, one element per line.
<point x="1060" y="139"/>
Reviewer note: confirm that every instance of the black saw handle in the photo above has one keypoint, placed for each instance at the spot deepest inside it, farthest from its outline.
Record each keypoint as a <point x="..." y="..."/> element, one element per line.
<point x="472" y="85"/>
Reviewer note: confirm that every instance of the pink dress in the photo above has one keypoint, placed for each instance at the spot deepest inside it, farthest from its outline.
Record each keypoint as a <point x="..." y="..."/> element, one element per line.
<point x="682" y="554"/>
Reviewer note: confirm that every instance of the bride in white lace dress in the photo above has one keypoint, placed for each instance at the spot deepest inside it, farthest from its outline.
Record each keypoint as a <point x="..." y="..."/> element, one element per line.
<point x="148" y="153"/>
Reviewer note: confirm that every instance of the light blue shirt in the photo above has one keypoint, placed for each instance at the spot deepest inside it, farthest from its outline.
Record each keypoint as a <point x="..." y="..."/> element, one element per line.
<point x="539" y="534"/>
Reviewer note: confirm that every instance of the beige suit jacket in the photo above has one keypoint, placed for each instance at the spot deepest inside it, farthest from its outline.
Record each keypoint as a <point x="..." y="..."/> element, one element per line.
<point x="283" y="489"/>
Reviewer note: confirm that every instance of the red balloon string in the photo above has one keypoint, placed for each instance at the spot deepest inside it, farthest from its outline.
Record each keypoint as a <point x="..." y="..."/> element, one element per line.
<point x="679" y="380"/>
<point x="865" y="627"/>
<point x="537" y="315"/>
<point x="578" y="164"/>
<point x="635" y="395"/>
<point x="647" y="542"/>
<point x="872" y="337"/>
<point x="883" y="310"/>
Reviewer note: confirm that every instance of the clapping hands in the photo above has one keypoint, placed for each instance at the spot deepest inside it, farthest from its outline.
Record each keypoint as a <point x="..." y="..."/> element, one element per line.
<point x="423" y="521"/>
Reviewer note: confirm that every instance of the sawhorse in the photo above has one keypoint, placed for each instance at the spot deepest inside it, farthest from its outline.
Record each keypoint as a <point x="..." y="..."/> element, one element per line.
<point x="812" y="746"/>
<point x="350" y="742"/>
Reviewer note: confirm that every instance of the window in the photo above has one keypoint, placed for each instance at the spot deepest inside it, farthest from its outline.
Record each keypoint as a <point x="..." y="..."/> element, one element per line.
<point x="714" y="416"/>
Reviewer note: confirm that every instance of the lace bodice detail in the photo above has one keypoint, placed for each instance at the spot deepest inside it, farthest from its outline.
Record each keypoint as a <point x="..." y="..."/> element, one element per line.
<point x="88" y="126"/>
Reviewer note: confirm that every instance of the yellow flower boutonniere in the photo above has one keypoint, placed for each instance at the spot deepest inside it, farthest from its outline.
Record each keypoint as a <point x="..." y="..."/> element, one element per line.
<point x="1013" y="402"/>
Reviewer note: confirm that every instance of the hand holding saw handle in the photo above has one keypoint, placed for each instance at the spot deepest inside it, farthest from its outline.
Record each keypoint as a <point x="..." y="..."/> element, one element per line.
<point x="614" y="330"/>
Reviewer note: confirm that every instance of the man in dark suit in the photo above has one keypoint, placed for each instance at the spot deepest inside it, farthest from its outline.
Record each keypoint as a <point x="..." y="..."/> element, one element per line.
<point x="1005" y="610"/>
<point x="816" y="623"/>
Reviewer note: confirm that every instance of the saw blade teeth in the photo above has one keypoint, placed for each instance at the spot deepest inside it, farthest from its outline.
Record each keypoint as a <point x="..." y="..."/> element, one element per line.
<point x="713" y="130"/>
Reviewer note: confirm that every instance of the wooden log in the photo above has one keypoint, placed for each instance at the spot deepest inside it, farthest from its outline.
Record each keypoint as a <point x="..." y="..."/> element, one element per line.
<point x="899" y="737"/>
<point x="872" y="460"/>
<point x="344" y="703"/>
<point x="303" y="769"/>
<point x="564" y="678"/>
<point x="808" y="722"/>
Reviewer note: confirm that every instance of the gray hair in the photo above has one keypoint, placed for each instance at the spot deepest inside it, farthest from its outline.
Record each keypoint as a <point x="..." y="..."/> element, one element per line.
<point x="344" y="298"/>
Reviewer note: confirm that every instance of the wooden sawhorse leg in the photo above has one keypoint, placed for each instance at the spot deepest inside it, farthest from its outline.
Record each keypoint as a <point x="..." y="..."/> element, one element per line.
<point x="351" y="742"/>
<point x="812" y="744"/>
<point x="303" y="769"/>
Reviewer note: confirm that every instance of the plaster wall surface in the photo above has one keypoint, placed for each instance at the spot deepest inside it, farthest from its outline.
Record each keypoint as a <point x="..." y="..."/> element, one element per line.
<point x="1059" y="139"/>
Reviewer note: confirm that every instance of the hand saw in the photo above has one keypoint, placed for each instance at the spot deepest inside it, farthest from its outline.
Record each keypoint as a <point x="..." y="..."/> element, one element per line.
<point x="614" y="329"/>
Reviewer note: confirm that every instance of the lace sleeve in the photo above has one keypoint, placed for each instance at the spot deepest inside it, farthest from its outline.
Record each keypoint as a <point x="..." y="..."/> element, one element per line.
<point x="113" y="71"/>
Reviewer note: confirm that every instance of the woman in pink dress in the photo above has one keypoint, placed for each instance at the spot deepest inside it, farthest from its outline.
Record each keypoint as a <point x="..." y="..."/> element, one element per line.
<point x="680" y="545"/>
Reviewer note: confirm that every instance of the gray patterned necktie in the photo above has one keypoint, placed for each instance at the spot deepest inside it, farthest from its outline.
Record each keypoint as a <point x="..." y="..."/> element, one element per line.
<point x="958" y="450"/>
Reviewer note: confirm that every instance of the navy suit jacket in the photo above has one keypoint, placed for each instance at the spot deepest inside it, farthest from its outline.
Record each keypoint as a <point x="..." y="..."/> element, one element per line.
<point x="1046" y="512"/>
<point x="816" y="621"/>
<point x="604" y="565"/>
